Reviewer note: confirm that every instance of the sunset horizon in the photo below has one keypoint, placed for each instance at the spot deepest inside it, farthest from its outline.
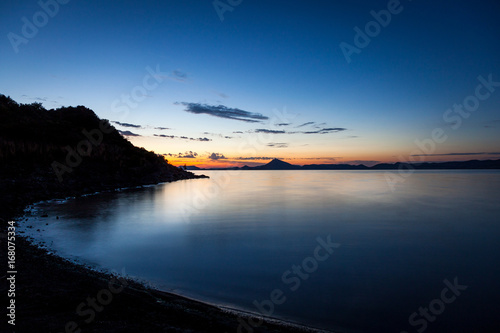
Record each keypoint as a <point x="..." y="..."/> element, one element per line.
<point x="347" y="83"/>
<point x="250" y="166"/>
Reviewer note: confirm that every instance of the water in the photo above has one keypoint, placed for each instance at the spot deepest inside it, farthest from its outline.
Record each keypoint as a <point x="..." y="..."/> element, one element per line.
<point x="235" y="238"/>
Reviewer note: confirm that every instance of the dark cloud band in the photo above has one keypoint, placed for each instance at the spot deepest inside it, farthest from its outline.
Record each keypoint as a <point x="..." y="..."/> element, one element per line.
<point x="222" y="111"/>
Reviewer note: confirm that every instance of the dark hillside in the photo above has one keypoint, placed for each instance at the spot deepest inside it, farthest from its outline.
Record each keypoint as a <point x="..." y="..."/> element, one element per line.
<point x="68" y="151"/>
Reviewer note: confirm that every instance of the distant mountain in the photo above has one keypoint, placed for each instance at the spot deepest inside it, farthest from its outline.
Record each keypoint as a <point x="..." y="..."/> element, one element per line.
<point x="277" y="165"/>
<point x="472" y="164"/>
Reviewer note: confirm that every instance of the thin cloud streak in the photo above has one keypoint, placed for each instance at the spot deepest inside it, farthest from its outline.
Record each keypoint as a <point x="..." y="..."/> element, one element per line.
<point x="181" y="137"/>
<point x="278" y="144"/>
<point x="327" y="130"/>
<point x="128" y="133"/>
<point x="262" y="130"/>
<point x="320" y="131"/>
<point x="305" y="124"/>
<point x="126" y="124"/>
<point x="222" y="111"/>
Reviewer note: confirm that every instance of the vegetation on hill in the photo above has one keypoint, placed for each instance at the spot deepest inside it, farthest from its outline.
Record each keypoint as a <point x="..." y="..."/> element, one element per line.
<point x="68" y="151"/>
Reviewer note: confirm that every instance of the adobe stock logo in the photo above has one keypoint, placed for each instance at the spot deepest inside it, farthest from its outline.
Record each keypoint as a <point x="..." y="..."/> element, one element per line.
<point x="372" y="29"/>
<point x="30" y="28"/>
<point x="292" y="278"/>
<point x="420" y="320"/>
<point x="221" y="7"/>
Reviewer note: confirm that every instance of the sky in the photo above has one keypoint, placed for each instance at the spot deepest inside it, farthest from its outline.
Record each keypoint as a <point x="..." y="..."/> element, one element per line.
<point x="237" y="82"/>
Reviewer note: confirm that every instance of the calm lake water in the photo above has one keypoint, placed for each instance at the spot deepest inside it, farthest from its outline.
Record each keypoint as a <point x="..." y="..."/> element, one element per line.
<point x="235" y="238"/>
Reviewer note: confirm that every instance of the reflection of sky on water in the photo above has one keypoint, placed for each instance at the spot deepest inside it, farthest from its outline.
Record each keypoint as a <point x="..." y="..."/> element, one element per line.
<point x="396" y="247"/>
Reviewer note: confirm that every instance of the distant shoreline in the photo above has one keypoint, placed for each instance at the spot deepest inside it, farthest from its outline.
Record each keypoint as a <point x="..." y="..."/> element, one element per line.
<point x="277" y="164"/>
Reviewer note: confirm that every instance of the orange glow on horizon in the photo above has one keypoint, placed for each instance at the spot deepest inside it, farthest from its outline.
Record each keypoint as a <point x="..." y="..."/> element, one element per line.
<point x="368" y="152"/>
<point x="205" y="163"/>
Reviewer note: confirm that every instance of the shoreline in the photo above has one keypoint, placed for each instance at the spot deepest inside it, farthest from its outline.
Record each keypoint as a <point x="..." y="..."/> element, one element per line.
<point x="46" y="296"/>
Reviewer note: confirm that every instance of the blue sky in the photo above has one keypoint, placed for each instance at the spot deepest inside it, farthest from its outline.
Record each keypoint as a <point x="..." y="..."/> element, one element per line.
<point x="279" y="58"/>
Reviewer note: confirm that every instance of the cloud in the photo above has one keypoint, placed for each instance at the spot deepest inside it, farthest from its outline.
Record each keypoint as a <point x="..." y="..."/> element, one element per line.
<point x="218" y="135"/>
<point x="305" y="124"/>
<point x="188" y="154"/>
<point x="181" y="137"/>
<point x="319" y="131"/>
<point x="278" y="144"/>
<point x="265" y="158"/>
<point x="216" y="156"/>
<point x="126" y="124"/>
<point x="44" y="100"/>
<point x="218" y="93"/>
<point x="138" y="126"/>
<point x="458" y="154"/>
<point x="128" y="133"/>
<point x="283" y="124"/>
<point x="262" y="130"/>
<point x="39" y="99"/>
<point x="327" y="130"/>
<point x="239" y="132"/>
<point x="222" y="111"/>
<point x="179" y="75"/>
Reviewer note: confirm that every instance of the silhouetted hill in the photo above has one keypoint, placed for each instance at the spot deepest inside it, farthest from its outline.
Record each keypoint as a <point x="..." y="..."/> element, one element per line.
<point x="276" y="164"/>
<point x="472" y="164"/>
<point x="68" y="151"/>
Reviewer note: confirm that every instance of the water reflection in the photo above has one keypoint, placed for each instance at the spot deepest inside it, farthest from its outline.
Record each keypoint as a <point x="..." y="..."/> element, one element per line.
<point x="228" y="239"/>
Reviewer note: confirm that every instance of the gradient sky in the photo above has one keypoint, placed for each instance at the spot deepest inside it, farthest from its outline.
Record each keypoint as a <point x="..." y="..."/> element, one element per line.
<point x="269" y="80"/>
